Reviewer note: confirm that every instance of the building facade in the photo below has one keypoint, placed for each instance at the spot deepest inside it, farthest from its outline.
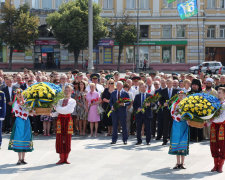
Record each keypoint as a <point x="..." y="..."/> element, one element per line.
<point x="166" y="42"/>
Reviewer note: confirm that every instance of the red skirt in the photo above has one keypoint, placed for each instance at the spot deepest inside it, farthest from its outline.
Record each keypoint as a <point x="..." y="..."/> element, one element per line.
<point x="217" y="140"/>
<point x="63" y="139"/>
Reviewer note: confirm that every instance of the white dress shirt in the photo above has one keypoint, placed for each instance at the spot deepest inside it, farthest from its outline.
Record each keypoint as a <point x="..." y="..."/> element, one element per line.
<point x="221" y="117"/>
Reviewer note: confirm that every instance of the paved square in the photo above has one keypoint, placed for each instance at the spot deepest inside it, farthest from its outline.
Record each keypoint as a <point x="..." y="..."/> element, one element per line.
<point x="96" y="159"/>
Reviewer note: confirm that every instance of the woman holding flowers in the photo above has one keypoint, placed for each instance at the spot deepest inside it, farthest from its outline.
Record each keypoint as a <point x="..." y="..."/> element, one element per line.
<point x="81" y="108"/>
<point x="93" y="99"/>
<point x="179" y="141"/>
<point x="21" y="137"/>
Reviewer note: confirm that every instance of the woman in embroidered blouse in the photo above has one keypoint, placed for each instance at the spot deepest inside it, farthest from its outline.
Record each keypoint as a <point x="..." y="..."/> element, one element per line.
<point x="179" y="141"/>
<point x="21" y="137"/>
<point x="93" y="99"/>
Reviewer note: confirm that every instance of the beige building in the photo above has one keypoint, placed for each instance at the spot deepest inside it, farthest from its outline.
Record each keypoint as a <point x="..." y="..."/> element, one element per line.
<point x="166" y="42"/>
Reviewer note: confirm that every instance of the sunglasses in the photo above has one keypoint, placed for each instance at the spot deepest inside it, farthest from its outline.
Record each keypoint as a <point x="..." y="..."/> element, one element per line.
<point x="111" y="83"/>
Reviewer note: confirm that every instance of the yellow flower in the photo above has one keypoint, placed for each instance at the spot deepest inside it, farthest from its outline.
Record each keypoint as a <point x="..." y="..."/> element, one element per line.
<point x="192" y="109"/>
<point x="212" y="107"/>
<point x="209" y="104"/>
<point x="49" y="95"/>
<point x="205" y="106"/>
<point x="204" y="111"/>
<point x="196" y="108"/>
<point x="209" y="110"/>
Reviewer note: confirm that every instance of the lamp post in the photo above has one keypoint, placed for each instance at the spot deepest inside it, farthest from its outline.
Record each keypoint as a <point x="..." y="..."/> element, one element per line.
<point x="138" y="36"/>
<point x="90" y="36"/>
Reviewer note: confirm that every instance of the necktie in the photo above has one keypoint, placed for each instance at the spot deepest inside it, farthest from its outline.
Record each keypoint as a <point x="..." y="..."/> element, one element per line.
<point x="143" y="99"/>
<point x="136" y="87"/>
<point x="170" y="93"/>
<point x="118" y="94"/>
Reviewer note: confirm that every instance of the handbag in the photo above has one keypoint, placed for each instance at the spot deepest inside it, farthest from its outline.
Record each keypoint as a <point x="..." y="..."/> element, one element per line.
<point x="100" y="109"/>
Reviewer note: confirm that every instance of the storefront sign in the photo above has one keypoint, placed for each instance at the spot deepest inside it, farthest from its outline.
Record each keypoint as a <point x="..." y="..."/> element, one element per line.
<point x="106" y="42"/>
<point x="108" y="55"/>
<point x="157" y="43"/>
<point x="46" y="42"/>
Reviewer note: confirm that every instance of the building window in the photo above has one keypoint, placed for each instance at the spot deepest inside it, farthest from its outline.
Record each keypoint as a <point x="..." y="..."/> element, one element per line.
<point x="17" y="3"/>
<point x="222" y="3"/>
<point x="211" y="4"/>
<point x="222" y="31"/>
<point x="46" y="4"/>
<point x="108" y="4"/>
<point x="180" y="31"/>
<point x="180" y="54"/>
<point x="35" y="4"/>
<point x="130" y="54"/>
<point x="167" y="33"/>
<point x="211" y="32"/>
<point x="144" y="31"/>
<point x="143" y="56"/>
<point x="130" y="4"/>
<point x="166" y="54"/>
<point x="58" y="3"/>
<point x="167" y="5"/>
<point x="144" y="4"/>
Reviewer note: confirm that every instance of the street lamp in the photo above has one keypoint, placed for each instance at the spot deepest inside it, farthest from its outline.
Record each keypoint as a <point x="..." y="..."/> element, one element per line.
<point x="90" y="36"/>
<point x="138" y="36"/>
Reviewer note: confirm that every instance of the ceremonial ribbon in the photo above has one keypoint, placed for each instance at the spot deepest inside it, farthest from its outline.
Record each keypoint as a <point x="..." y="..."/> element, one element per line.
<point x="38" y="101"/>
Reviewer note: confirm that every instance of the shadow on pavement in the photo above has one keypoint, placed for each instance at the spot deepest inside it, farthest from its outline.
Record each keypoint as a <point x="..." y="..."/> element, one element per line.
<point x="8" y="168"/>
<point x="167" y="173"/>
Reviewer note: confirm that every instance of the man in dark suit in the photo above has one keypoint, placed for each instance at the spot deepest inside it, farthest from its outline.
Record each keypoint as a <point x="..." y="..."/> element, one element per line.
<point x="158" y="115"/>
<point x="120" y="114"/>
<point x="9" y="94"/>
<point x="2" y="112"/>
<point x="166" y="94"/>
<point x="25" y="85"/>
<point x="142" y="117"/>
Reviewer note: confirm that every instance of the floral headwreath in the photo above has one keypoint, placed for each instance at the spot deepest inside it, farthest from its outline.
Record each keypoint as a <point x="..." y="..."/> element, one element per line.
<point x="181" y="92"/>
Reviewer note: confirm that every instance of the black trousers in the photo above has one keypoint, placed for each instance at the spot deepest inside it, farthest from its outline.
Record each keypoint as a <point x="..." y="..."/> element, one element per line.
<point x="160" y="124"/>
<point x="38" y="126"/>
<point x="167" y="124"/>
<point x="153" y="123"/>
<point x="7" y="123"/>
<point x="140" y="120"/>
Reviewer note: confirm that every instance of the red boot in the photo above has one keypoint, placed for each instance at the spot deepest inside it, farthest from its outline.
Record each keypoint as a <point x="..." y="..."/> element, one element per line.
<point x="220" y="167"/>
<point x="61" y="161"/>
<point x="66" y="158"/>
<point x="216" y="163"/>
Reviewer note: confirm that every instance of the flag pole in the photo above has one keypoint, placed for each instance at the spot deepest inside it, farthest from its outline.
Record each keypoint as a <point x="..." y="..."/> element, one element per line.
<point x="198" y="34"/>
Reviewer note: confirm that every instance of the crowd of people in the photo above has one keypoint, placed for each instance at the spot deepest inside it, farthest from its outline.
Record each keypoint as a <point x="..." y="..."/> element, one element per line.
<point x="95" y="96"/>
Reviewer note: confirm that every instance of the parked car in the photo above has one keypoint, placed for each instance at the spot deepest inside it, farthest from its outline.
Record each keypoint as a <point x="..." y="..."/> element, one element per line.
<point x="214" y="66"/>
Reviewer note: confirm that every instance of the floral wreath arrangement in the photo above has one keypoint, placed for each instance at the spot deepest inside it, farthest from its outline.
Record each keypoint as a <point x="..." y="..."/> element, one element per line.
<point x="116" y="106"/>
<point x="151" y="99"/>
<point x="42" y="96"/>
<point x="199" y="108"/>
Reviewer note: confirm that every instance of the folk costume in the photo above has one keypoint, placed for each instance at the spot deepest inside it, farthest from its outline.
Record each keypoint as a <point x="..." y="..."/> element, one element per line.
<point x="64" y="128"/>
<point x="217" y="140"/>
<point x="21" y="137"/>
<point x="179" y="141"/>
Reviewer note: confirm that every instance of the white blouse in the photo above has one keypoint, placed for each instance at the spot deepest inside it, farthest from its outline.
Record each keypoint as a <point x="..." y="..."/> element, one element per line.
<point x="68" y="109"/>
<point x="20" y="111"/>
<point x="221" y="117"/>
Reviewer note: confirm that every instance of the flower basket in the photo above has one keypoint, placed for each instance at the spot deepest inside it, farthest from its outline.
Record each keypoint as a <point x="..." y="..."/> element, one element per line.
<point x="196" y="124"/>
<point x="43" y="111"/>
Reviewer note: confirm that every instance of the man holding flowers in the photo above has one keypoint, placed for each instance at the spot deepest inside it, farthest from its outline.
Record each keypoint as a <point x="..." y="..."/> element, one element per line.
<point x="143" y="113"/>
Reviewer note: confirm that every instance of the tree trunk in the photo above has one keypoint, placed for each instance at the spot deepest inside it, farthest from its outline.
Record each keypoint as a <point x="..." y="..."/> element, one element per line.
<point x="10" y="58"/>
<point x="119" y="57"/>
<point x="76" y="53"/>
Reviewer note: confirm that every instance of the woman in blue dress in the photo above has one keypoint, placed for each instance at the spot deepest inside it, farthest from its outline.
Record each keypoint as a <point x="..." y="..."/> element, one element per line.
<point x="179" y="141"/>
<point x="21" y="137"/>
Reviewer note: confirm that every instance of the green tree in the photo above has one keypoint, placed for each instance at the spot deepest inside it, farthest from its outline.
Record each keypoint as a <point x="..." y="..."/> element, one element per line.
<point x="70" y="26"/>
<point x="124" y="33"/>
<point x="19" y="28"/>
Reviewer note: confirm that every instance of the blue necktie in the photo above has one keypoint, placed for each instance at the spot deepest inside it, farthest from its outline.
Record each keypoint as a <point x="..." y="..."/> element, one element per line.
<point x="143" y="99"/>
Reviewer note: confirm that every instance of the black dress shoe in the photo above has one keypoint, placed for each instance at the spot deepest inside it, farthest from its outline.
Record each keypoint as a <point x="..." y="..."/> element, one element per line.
<point x="113" y="142"/>
<point x="138" y="143"/>
<point x="164" y="143"/>
<point x="18" y="163"/>
<point x="23" y="162"/>
<point x="147" y="144"/>
<point x="157" y="139"/>
<point x="125" y="142"/>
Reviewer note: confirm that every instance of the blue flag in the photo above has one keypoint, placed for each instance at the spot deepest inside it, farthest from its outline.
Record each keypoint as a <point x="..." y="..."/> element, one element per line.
<point x="187" y="9"/>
